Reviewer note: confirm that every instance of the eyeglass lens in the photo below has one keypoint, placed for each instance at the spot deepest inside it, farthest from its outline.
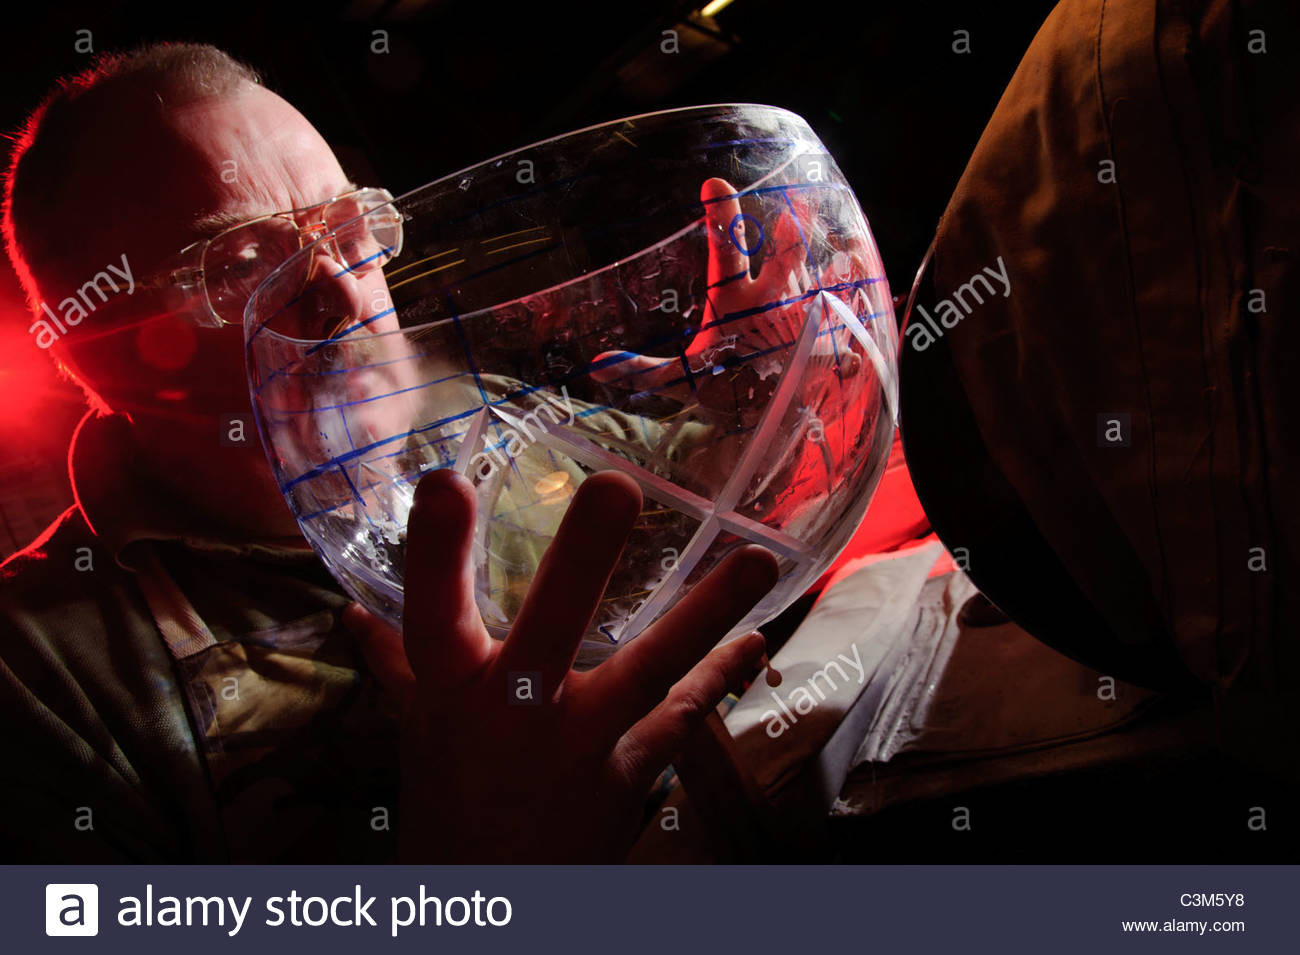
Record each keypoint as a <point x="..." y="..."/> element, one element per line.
<point x="238" y="260"/>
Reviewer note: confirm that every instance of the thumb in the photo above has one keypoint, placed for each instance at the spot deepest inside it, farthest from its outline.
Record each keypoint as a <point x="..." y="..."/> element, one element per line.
<point x="443" y="633"/>
<point x="381" y="646"/>
<point x="729" y="244"/>
<point x="635" y="372"/>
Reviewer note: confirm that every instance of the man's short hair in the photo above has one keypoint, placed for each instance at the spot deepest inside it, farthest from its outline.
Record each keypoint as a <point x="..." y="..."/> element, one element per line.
<point x="47" y="146"/>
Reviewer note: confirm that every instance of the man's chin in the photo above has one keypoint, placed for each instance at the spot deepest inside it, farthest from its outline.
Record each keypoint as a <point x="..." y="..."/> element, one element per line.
<point x="218" y="469"/>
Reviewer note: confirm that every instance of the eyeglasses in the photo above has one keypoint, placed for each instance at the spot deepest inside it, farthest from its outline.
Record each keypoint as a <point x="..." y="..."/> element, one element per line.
<point x="364" y="233"/>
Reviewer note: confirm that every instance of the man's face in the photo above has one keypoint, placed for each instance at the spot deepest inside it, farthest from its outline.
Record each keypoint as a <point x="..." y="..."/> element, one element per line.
<point x="173" y="176"/>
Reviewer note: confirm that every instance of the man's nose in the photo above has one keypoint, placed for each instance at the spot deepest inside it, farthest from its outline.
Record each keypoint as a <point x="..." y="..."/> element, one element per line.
<point x="333" y="304"/>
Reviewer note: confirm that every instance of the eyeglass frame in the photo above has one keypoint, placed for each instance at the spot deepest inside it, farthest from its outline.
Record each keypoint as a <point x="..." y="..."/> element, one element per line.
<point x="184" y="272"/>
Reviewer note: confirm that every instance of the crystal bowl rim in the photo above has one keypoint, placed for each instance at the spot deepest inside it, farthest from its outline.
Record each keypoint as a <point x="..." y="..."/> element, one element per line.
<point x="705" y="109"/>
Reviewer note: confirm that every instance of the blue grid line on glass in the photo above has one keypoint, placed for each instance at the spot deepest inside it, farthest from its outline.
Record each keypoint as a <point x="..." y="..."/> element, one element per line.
<point x="729" y="362"/>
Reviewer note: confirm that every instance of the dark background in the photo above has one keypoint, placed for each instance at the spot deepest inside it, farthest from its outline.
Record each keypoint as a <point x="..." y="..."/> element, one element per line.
<point x="464" y="80"/>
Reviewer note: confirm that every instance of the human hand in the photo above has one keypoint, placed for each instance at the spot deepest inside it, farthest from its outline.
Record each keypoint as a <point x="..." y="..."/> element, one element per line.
<point x="744" y="323"/>
<point x="487" y="777"/>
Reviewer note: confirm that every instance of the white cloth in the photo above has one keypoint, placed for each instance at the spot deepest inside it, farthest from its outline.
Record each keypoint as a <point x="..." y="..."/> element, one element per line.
<point x="849" y="648"/>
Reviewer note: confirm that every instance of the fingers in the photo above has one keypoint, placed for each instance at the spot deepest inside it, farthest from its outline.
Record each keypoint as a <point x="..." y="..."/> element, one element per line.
<point x="787" y="236"/>
<point x="444" y="636"/>
<point x="572" y="577"/>
<point x="861" y="258"/>
<point x="725" y="258"/>
<point x="637" y="678"/>
<point x="382" y="648"/>
<point x="656" y="739"/>
<point x="635" y="372"/>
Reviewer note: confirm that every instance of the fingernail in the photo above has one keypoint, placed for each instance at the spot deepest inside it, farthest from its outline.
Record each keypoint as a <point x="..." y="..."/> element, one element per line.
<point x="773" y="674"/>
<point x="758" y="651"/>
<point x="440" y="481"/>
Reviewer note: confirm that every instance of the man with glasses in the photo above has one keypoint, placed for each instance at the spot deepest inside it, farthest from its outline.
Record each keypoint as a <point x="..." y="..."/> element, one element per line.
<point x="176" y="681"/>
<point x="215" y="276"/>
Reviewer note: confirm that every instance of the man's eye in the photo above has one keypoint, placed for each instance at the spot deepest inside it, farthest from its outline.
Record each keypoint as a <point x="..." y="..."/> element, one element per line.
<point x="244" y="263"/>
<point x="358" y="249"/>
<point x="342" y="212"/>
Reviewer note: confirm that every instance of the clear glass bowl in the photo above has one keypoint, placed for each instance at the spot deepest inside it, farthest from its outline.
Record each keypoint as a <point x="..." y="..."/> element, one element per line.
<point x="692" y="297"/>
